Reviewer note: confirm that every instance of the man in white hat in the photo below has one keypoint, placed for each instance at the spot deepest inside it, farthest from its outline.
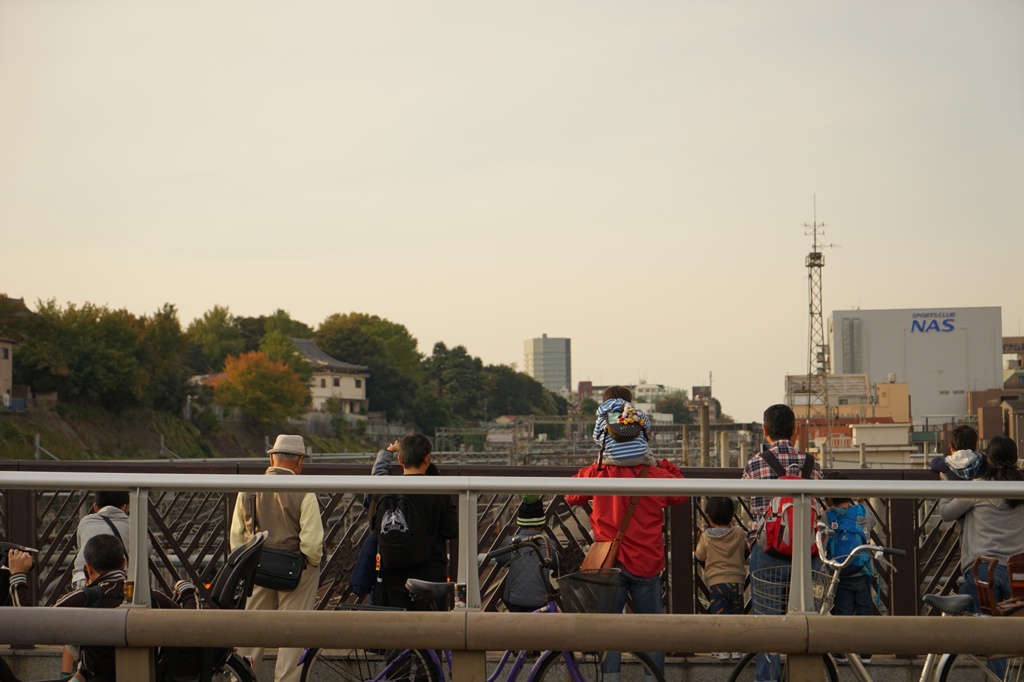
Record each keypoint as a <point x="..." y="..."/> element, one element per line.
<point x="293" y="521"/>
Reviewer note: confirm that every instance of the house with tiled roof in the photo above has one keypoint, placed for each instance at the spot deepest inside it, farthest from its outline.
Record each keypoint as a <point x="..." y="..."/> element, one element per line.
<point x="333" y="378"/>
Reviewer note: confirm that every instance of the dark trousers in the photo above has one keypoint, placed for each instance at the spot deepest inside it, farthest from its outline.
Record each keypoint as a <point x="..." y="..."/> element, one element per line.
<point x="853" y="596"/>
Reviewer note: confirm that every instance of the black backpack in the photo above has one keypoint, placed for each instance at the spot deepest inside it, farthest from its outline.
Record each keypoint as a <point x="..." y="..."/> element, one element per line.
<point x="404" y="539"/>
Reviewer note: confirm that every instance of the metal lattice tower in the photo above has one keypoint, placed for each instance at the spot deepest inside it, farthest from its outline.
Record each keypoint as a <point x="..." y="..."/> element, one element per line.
<point x="818" y="359"/>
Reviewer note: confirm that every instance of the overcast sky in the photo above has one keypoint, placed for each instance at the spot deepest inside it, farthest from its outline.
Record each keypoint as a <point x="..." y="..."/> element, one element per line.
<point x="632" y="175"/>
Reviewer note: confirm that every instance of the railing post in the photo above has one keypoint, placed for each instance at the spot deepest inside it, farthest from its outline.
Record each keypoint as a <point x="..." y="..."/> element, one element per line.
<point x="904" y="591"/>
<point x="681" y="568"/>
<point x="469" y="666"/>
<point x="469" y="572"/>
<point x="801" y="593"/>
<point x="138" y="548"/>
<point x="135" y="664"/>
<point x="22" y="529"/>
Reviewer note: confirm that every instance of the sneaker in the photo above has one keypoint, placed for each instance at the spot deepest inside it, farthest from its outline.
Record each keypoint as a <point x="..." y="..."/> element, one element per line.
<point x="721" y="655"/>
<point x="840" y="659"/>
<point x="865" y="658"/>
<point x="737" y="655"/>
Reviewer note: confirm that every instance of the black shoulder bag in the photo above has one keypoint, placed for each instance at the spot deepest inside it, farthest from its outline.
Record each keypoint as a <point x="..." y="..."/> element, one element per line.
<point x="279" y="570"/>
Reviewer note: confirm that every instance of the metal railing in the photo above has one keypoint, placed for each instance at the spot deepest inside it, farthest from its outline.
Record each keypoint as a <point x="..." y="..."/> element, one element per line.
<point x="133" y="629"/>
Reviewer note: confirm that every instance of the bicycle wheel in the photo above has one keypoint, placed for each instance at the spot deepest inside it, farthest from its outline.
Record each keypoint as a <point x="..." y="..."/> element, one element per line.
<point x="636" y="667"/>
<point x="745" y="669"/>
<point x="363" y="665"/>
<point x="234" y="670"/>
<point x="955" y="667"/>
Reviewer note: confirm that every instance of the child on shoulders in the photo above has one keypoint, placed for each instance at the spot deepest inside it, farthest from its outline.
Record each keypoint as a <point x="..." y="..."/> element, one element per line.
<point x="614" y="414"/>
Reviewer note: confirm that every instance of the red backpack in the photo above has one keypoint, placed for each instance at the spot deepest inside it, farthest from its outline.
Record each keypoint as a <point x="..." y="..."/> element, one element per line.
<point x="775" y="531"/>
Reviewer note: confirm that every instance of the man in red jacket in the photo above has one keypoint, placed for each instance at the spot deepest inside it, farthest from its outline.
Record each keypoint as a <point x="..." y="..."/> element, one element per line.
<point x="641" y="556"/>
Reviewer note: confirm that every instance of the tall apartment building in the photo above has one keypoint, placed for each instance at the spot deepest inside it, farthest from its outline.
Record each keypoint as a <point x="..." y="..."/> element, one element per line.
<point x="549" y="361"/>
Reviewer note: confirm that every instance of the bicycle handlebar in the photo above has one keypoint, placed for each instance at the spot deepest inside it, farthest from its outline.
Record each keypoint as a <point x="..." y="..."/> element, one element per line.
<point x="536" y="541"/>
<point x="878" y="550"/>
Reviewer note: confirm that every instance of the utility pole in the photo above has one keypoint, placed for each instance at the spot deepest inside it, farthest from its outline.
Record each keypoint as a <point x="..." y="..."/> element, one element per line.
<point x="818" y="358"/>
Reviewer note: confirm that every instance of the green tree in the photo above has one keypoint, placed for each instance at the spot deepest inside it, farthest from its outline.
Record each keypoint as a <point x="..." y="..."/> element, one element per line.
<point x="161" y="354"/>
<point x="388" y="349"/>
<point x="267" y="391"/>
<point x="511" y="392"/>
<point x="213" y="337"/>
<point x="86" y="354"/>
<point x="453" y="377"/>
<point x="677" y="405"/>
<point x="279" y="346"/>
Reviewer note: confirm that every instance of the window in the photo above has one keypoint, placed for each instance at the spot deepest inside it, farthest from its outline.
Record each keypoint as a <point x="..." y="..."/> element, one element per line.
<point x="359" y="383"/>
<point x="323" y="383"/>
<point x="5" y="353"/>
<point x="337" y="382"/>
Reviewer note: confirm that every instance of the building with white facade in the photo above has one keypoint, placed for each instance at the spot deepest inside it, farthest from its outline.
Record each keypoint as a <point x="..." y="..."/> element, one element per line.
<point x="549" y="361"/>
<point x="941" y="353"/>
<point x="335" y="379"/>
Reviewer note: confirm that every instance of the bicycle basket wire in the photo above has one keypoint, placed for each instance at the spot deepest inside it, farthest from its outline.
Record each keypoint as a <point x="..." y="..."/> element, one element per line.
<point x="769" y="589"/>
<point x="589" y="591"/>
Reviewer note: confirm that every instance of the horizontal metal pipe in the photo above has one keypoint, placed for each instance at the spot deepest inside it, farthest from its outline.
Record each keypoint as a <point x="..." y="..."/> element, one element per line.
<point x="44" y="625"/>
<point x="479" y="631"/>
<point x="50" y="480"/>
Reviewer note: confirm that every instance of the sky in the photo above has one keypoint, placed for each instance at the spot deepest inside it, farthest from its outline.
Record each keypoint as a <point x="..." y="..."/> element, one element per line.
<point x="634" y="176"/>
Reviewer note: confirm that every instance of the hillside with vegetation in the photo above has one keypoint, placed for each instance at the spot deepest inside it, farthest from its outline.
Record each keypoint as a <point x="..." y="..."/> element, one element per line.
<point x="116" y="381"/>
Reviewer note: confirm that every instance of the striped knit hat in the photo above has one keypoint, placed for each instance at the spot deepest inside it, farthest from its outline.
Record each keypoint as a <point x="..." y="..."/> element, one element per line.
<point x="531" y="511"/>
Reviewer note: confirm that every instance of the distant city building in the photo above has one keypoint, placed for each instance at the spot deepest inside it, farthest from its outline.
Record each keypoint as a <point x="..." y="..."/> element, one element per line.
<point x="549" y="361"/>
<point x="333" y="378"/>
<point x="941" y="353"/>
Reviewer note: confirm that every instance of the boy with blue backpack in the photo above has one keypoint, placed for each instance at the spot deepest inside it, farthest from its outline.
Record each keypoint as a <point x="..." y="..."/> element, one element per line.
<point x="851" y="525"/>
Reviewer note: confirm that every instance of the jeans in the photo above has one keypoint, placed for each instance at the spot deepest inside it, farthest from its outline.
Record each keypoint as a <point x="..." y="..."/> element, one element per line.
<point x="853" y="596"/>
<point x="1001" y="587"/>
<point x="646" y="596"/>
<point x="766" y="666"/>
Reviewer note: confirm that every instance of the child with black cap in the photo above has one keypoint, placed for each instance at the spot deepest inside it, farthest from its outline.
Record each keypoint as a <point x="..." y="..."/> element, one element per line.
<point x="527" y="582"/>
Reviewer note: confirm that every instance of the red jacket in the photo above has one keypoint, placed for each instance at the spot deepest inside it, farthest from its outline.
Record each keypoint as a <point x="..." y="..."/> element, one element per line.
<point x="642" y="552"/>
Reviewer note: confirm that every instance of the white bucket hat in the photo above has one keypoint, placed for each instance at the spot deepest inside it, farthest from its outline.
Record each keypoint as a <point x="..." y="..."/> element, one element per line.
<point x="288" y="445"/>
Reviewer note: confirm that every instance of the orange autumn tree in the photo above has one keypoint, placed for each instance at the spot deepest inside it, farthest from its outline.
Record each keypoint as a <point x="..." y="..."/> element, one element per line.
<point x="267" y="391"/>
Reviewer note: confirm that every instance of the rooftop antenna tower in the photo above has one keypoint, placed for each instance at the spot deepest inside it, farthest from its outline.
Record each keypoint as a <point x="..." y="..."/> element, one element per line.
<point x="818" y="357"/>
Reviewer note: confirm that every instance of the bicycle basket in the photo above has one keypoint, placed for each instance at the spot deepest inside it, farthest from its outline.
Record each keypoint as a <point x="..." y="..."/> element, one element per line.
<point x="589" y="591"/>
<point x="769" y="589"/>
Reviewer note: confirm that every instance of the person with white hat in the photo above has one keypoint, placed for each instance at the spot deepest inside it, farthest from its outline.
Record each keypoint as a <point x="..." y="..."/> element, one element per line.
<point x="293" y="521"/>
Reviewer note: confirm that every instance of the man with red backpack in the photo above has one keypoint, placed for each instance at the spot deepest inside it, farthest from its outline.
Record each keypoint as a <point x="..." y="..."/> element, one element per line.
<point x="779" y="428"/>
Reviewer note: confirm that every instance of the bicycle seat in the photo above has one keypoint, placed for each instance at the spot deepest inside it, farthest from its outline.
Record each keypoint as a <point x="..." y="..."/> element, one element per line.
<point x="953" y="604"/>
<point x="429" y="590"/>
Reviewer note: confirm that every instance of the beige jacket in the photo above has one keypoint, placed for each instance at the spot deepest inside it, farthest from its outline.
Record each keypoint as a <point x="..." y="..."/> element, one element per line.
<point x="291" y="518"/>
<point x="722" y="554"/>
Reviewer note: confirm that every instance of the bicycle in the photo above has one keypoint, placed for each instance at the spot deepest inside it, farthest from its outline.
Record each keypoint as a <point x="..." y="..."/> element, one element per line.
<point x="230" y="588"/>
<point x="771" y="585"/>
<point x="936" y="668"/>
<point x="580" y="590"/>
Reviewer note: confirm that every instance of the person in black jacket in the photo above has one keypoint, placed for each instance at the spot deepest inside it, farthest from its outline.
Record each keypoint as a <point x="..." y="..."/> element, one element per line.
<point x="104" y="568"/>
<point x="438" y="515"/>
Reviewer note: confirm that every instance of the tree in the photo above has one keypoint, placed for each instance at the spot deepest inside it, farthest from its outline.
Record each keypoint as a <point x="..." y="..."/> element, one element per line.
<point x="161" y="354"/>
<point x="214" y="336"/>
<point x="267" y="391"/>
<point x="677" y="405"/>
<point x="86" y="354"/>
<point x="279" y="346"/>
<point x="511" y="392"/>
<point x="453" y="377"/>
<point x="388" y="349"/>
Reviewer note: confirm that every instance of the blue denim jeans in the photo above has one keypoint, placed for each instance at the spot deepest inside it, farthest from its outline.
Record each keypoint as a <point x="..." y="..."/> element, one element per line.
<point x="646" y="596"/>
<point x="1001" y="585"/>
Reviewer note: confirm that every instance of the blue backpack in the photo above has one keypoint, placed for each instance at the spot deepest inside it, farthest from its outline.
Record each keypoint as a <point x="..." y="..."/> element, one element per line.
<point x="848" y="535"/>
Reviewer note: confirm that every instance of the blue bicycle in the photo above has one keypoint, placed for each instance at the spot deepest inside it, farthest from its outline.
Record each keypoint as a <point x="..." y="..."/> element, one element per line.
<point x="580" y="591"/>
